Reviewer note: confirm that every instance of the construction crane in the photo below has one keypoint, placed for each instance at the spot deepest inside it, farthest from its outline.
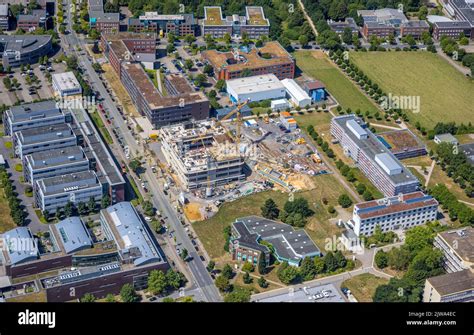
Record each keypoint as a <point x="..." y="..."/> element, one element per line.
<point x="238" y="119"/>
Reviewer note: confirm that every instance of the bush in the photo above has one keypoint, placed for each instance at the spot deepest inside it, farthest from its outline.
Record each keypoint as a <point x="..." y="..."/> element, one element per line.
<point x="344" y="201"/>
<point x="248" y="267"/>
<point x="381" y="259"/>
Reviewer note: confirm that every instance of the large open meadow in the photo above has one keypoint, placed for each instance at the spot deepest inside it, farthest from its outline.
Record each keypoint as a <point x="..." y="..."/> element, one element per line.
<point x="445" y="94"/>
<point x="317" y="65"/>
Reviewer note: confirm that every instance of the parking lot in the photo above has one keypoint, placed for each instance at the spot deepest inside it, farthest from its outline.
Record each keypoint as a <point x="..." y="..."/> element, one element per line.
<point x="35" y="88"/>
<point x="323" y="293"/>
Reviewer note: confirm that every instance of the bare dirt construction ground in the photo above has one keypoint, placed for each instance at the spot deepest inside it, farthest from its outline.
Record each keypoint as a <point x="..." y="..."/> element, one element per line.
<point x="193" y="212"/>
<point x="119" y="90"/>
<point x="301" y="182"/>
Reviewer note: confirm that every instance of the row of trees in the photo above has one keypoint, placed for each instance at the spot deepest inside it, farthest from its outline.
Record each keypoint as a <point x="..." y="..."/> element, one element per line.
<point x="127" y="294"/>
<point x="310" y="268"/>
<point x="163" y="283"/>
<point x="451" y="47"/>
<point x="16" y="212"/>
<point x="81" y="208"/>
<point x="456" y="165"/>
<point x="363" y="81"/>
<point x="417" y="258"/>
<point x="320" y="141"/>
<point x="348" y="173"/>
<point x="457" y="210"/>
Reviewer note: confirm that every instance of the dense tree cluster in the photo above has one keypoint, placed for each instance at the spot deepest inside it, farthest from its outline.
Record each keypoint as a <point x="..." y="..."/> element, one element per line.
<point x="456" y="165"/>
<point x="160" y="282"/>
<point x="417" y="258"/>
<point x="457" y="210"/>
<point x="296" y="212"/>
<point x="310" y="268"/>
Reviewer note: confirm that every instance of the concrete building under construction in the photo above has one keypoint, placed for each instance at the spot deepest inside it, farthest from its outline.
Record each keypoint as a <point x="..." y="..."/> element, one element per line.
<point x="202" y="154"/>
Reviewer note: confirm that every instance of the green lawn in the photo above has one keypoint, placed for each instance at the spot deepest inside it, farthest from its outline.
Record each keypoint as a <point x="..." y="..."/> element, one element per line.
<point x="363" y="286"/>
<point x="345" y="92"/>
<point x="445" y="94"/>
<point x="101" y="127"/>
<point x="319" y="228"/>
<point x="6" y="221"/>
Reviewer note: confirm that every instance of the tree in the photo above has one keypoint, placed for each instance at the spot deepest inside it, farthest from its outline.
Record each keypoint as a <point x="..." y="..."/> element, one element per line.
<point x="270" y="209"/>
<point x="262" y="264"/>
<point x="81" y="208"/>
<point x="367" y="195"/>
<point x="69" y="209"/>
<point x="262" y="282"/>
<point x="289" y="274"/>
<point x="303" y="40"/>
<point x="227" y="271"/>
<point x="157" y="282"/>
<point x="360" y="188"/>
<point x="148" y="208"/>
<point x="95" y="48"/>
<point x="227" y="38"/>
<point x="135" y="165"/>
<point x="222" y="283"/>
<point x="248" y="267"/>
<point x="208" y="69"/>
<point x="330" y="262"/>
<point x="184" y="254"/>
<point x="189" y="39"/>
<point x="319" y="265"/>
<point x="110" y="298"/>
<point x="300" y="206"/>
<point x="344" y="201"/>
<point x="398" y="258"/>
<point x="247" y="279"/>
<point x="128" y="294"/>
<point x="97" y="67"/>
<point x="210" y="266"/>
<point x="188" y="64"/>
<point x="88" y="297"/>
<point x="347" y="35"/>
<point x="175" y="279"/>
<point x="239" y="294"/>
<point x="419" y="238"/>
<point x="200" y="80"/>
<point x="105" y="202"/>
<point x="91" y="205"/>
<point x="307" y="269"/>
<point x="220" y="85"/>
<point x="58" y="213"/>
<point x="340" y="259"/>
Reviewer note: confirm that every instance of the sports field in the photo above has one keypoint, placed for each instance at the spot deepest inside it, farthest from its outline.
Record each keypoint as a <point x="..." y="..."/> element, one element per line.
<point x="317" y="65"/>
<point x="445" y="94"/>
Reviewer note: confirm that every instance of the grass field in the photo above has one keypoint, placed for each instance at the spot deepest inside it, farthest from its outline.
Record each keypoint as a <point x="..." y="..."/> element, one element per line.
<point x="6" y="221"/>
<point x="445" y="94"/>
<point x="319" y="228"/>
<point x="101" y="126"/>
<point x="363" y="286"/>
<point x="317" y="65"/>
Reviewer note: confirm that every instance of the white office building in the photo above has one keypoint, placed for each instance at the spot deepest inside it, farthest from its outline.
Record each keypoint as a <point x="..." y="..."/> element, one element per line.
<point x="297" y="95"/>
<point x="255" y="88"/>
<point x="66" y="84"/>
<point x="393" y="213"/>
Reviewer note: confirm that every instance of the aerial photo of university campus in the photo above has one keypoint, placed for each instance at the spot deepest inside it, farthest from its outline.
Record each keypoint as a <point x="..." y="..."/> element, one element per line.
<point x="236" y="151"/>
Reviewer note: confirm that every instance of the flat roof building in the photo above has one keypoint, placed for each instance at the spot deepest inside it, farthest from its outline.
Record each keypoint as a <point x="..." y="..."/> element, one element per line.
<point x="55" y="192"/>
<point x="4" y="17"/>
<point x="468" y="150"/>
<point x="402" y="143"/>
<point x="178" y="24"/>
<point x="73" y="234"/>
<point x="24" y="49"/>
<point x="462" y="10"/>
<point x="32" y="140"/>
<point x="297" y="95"/>
<point x="340" y="27"/>
<point x="271" y="58"/>
<point x="56" y="162"/>
<point x="254" y="23"/>
<point x="135" y="243"/>
<point x="66" y="84"/>
<point x="255" y="88"/>
<point x="19" y="246"/>
<point x="195" y="151"/>
<point x="393" y="213"/>
<point x="446" y="138"/>
<point x="32" y="115"/>
<point x="289" y="244"/>
<point x="458" y="248"/>
<point x="450" y="287"/>
<point x="382" y="168"/>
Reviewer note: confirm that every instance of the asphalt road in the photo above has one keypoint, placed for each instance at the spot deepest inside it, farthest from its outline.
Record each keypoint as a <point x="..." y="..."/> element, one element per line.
<point x="202" y="278"/>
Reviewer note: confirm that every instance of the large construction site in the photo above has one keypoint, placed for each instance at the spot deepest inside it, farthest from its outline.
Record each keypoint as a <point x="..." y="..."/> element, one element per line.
<point x="212" y="159"/>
